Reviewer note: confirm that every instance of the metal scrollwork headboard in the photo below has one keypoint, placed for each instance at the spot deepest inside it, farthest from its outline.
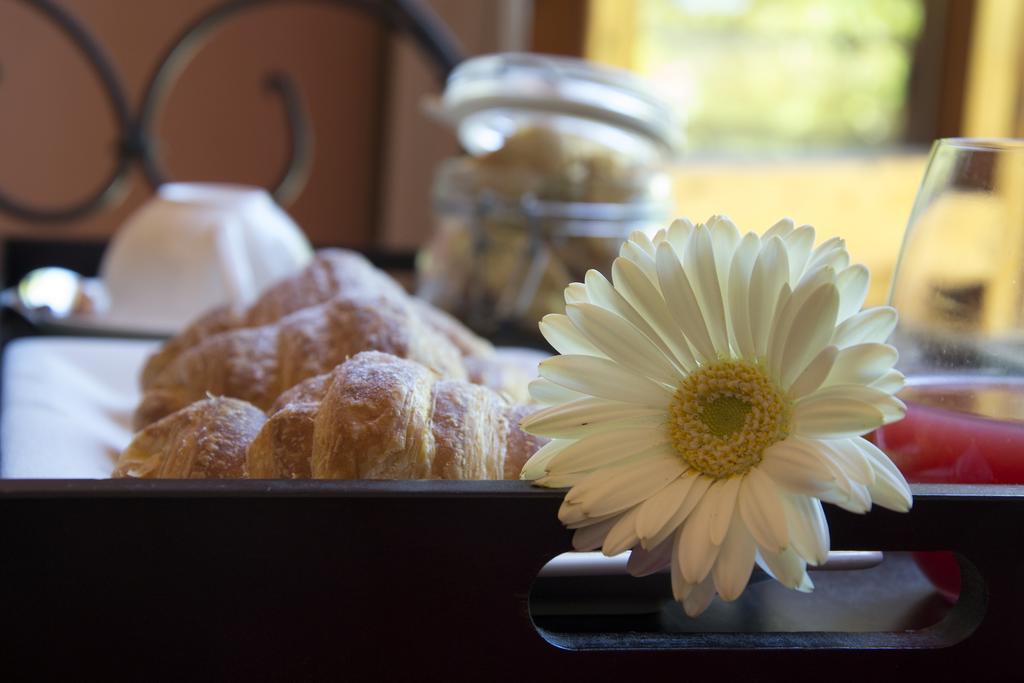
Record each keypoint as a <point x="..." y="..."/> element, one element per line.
<point x="135" y="132"/>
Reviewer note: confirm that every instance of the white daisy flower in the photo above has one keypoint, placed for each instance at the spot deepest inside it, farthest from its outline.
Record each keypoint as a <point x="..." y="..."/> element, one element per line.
<point x="710" y="397"/>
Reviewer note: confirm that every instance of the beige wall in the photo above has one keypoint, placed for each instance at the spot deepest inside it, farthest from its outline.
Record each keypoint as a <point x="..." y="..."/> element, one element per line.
<point x="416" y="144"/>
<point x="57" y="134"/>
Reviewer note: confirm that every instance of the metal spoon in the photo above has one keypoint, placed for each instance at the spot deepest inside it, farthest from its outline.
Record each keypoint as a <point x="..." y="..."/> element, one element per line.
<point x="54" y="293"/>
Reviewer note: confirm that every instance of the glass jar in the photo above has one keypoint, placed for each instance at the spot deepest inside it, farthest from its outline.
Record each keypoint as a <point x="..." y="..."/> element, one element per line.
<point x="565" y="160"/>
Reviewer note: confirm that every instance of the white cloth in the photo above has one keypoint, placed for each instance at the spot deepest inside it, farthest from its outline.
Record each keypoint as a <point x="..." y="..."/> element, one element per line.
<point x="67" y="405"/>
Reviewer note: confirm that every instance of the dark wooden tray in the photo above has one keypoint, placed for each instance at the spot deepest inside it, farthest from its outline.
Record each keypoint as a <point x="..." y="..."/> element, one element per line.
<point x="311" y="580"/>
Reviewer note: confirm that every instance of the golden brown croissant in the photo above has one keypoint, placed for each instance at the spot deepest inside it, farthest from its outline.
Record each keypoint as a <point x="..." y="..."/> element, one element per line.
<point x="214" y="321"/>
<point x="284" y="447"/>
<point x="206" y="440"/>
<point x="376" y="416"/>
<point x="332" y="273"/>
<point x="382" y="417"/>
<point x="257" y="364"/>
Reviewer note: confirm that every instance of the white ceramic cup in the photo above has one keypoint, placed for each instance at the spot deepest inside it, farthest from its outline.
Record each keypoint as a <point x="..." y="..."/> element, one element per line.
<point x="193" y="246"/>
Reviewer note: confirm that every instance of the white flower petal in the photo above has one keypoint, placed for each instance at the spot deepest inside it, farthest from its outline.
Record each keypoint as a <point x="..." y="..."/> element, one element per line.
<point x="843" y="483"/>
<point x="797" y="466"/>
<point x="890" y="489"/>
<point x="604" y="379"/>
<point x="811" y="280"/>
<point x="649" y="303"/>
<point x="601" y="292"/>
<point x="548" y="393"/>
<point x="699" y="597"/>
<point x="808" y="333"/>
<point x="683" y="305"/>
<point x="656" y="511"/>
<point x="877" y="457"/>
<point x="891" y="407"/>
<point x="725" y="237"/>
<point x="680" y="587"/>
<point x="640" y="258"/>
<point x="617" y="488"/>
<point x="862" y="364"/>
<point x="697" y="553"/>
<point x="604" y="294"/>
<point x="642" y="241"/>
<point x="821" y="254"/>
<point x="767" y="281"/>
<point x="808" y="528"/>
<point x="844" y="454"/>
<point x="891" y="382"/>
<point x="858" y="392"/>
<point x="799" y="244"/>
<point x="573" y="516"/>
<point x="679" y="234"/>
<point x="848" y="494"/>
<point x="702" y="271"/>
<point x="835" y="417"/>
<point x="860" y="498"/>
<point x="735" y="561"/>
<point x="538" y="462"/>
<point x="891" y="492"/>
<point x="807" y="286"/>
<point x="853" y="286"/>
<point x="560" y="481"/>
<point x="781" y="229"/>
<point x="563" y="336"/>
<point x="871" y="325"/>
<point x="831" y="253"/>
<point x="786" y="567"/>
<point x="622" y="536"/>
<point x="694" y="494"/>
<point x="646" y="562"/>
<point x="720" y="222"/>
<point x="609" y="449"/>
<point x="592" y="537"/>
<point x="761" y="508"/>
<point x="721" y="516"/>
<point x="576" y="292"/>
<point x="623" y="343"/>
<point x="785" y="296"/>
<point x="813" y="376"/>
<point x="739" y="294"/>
<point x="576" y="419"/>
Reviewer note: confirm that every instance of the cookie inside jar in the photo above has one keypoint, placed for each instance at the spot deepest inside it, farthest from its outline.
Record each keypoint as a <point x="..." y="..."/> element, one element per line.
<point x="564" y="160"/>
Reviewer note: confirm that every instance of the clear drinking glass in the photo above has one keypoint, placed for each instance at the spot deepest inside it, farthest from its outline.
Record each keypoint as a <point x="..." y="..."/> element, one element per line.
<point x="959" y="292"/>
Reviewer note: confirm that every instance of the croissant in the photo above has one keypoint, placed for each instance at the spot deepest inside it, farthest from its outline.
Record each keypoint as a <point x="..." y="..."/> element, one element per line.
<point x="257" y="364"/>
<point x="206" y="440"/>
<point x="376" y="416"/>
<point x="332" y="273"/>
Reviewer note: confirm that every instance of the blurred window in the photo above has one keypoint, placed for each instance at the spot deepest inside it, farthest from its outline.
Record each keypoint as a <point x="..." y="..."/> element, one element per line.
<point x="768" y="75"/>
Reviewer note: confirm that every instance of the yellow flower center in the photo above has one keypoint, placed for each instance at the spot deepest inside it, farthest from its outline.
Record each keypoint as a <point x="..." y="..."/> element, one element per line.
<point x="724" y="415"/>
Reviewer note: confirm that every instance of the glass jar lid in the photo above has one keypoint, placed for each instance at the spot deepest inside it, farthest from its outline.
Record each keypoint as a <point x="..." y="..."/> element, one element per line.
<point x="489" y="98"/>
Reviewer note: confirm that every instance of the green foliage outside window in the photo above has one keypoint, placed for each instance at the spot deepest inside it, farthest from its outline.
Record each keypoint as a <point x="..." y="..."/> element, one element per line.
<point x="782" y="75"/>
